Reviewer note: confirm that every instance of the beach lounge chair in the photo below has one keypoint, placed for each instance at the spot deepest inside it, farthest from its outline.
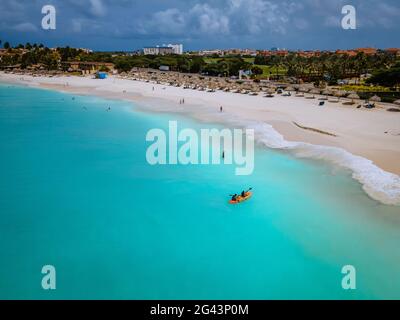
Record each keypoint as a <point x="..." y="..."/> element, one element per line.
<point x="369" y="105"/>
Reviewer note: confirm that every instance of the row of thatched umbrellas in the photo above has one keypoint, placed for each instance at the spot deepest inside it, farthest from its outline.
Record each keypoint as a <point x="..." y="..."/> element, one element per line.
<point x="202" y="83"/>
<point x="215" y="84"/>
<point x="336" y="93"/>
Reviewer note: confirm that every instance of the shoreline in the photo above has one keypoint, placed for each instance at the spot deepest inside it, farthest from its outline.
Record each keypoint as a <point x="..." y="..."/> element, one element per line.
<point x="365" y="141"/>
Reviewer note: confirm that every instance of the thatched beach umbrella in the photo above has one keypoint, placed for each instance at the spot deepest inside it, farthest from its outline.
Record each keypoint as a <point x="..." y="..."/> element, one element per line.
<point x="353" y="96"/>
<point x="290" y="89"/>
<point x="339" y="93"/>
<point x="304" y="89"/>
<point x="397" y="102"/>
<point x="375" y="98"/>
<point x="247" y="86"/>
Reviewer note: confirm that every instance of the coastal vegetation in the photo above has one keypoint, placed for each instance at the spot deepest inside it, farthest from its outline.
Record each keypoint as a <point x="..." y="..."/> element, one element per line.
<point x="329" y="67"/>
<point x="374" y="72"/>
<point x="388" y="77"/>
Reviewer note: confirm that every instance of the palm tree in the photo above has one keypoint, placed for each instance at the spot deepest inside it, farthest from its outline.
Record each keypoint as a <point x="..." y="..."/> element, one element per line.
<point x="362" y="64"/>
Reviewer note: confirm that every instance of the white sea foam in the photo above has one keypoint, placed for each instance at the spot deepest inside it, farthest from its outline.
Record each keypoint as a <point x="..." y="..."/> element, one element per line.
<point x="377" y="183"/>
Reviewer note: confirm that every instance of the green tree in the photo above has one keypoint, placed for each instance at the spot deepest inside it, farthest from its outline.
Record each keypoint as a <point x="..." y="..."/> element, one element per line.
<point x="386" y="77"/>
<point x="51" y="60"/>
<point x="104" y="68"/>
<point x="257" y="70"/>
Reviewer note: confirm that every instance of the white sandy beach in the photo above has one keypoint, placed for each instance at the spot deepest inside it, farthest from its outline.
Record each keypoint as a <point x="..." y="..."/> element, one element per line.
<point x="365" y="141"/>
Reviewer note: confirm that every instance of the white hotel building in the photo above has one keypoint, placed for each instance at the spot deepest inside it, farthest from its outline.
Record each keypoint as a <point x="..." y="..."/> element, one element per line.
<point x="165" y="49"/>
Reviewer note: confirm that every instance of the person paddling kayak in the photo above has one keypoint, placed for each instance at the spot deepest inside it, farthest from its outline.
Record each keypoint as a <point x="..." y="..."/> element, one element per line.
<point x="245" y="195"/>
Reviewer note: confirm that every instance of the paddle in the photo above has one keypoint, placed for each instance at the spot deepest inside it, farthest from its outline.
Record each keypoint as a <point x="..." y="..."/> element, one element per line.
<point x="231" y="195"/>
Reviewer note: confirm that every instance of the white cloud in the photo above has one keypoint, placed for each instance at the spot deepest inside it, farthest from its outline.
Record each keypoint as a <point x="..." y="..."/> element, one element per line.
<point x="210" y="20"/>
<point x="76" y="25"/>
<point x="333" y="21"/>
<point x="233" y="17"/>
<point x="170" y="21"/>
<point x="25" y="27"/>
<point x="301" y="24"/>
<point x="94" y="8"/>
<point x="201" y="19"/>
<point x="385" y="15"/>
<point x="259" y="16"/>
<point x="97" y="8"/>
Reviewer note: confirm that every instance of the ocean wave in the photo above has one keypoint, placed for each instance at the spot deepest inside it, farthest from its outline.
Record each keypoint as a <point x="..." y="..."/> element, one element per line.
<point x="377" y="183"/>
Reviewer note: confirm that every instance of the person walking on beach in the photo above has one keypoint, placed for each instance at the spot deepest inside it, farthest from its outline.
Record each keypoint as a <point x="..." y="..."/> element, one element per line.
<point x="220" y="109"/>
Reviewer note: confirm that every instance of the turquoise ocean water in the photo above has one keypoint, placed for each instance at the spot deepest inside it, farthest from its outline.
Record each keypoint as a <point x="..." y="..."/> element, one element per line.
<point x="76" y="192"/>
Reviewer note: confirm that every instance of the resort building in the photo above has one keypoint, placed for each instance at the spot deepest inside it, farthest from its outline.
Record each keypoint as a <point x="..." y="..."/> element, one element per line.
<point x="267" y="53"/>
<point x="225" y="52"/>
<point x="367" y="51"/>
<point x="177" y="48"/>
<point x="163" y="50"/>
<point x="210" y="52"/>
<point x="309" y="54"/>
<point x="394" y="51"/>
<point x="350" y="53"/>
<point x="157" y="50"/>
<point x="87" y="51"/>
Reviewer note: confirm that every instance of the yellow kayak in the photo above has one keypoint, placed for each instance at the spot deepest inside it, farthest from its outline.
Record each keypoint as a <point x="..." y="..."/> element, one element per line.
<point x="240" y="199"/>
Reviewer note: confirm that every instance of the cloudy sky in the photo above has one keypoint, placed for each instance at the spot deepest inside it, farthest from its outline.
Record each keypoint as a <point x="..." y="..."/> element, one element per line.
<point x="202" y="24"/>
